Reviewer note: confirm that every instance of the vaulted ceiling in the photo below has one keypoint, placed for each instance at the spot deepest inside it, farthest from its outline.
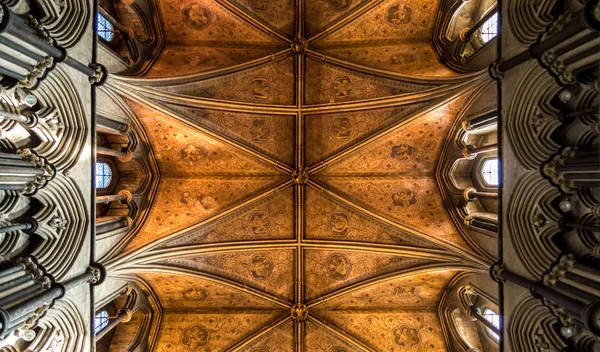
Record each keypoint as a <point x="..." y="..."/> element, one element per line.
<point x="297" y="207"/>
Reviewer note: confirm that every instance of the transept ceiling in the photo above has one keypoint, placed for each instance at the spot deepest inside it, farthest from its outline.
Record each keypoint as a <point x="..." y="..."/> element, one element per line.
<point x="297" y="206"/>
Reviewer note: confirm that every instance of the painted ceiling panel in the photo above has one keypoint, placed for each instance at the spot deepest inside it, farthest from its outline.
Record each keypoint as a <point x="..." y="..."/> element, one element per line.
<point x="328" y="83"/>
<point x="177" y="293"/>
<point x="330" y="220"/>
<point x="320" y="14"/>
<point x="270" y="83"/>
<point x="280" y="339"/>
<point x="273" y="135"/>
<point x="206" y="23"/>
<point x="328" y="134"/>
<point x="185" y="332"/>
<point x="267" y="270"/>
<point x="392" y="332"/>
<point x="413" y="291"/>
<point x="392" y="19"/>
<point x="413" y="58"/>
<point x="182" y="151"/>
<point x="326" y="271"/>
<point x="413" y="201"/>
<point x="182" y="202"/>
<point x="198" y="59"/>
<point x="277" y="14"/>
<point x="320" y="340"/>
<point x="272" y="218"/>
<point x="412" y="148"/>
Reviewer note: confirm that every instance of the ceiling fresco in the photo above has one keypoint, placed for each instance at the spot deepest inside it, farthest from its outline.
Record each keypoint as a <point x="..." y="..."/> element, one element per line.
<point x="297" y="207"/>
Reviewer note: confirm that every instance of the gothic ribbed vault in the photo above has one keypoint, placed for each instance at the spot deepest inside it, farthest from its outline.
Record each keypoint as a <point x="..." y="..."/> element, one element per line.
<point x="297" y="205"/>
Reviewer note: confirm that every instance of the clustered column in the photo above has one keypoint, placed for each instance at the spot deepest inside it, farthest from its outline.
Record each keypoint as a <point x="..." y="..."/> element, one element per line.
<point x="24" y="171"/>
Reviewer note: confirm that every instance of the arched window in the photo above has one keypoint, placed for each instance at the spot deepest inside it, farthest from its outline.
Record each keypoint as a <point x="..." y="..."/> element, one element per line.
<point x="103" y="175"/>
<point x="489" y="29"/>
<point x="100" y="321"/>
<point x="489" y="172"/>
<point x="105" y="28"/>
<point x="493" y="318"/>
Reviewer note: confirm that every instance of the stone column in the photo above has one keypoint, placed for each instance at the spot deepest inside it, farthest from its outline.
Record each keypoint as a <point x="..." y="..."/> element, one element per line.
<point x="482" y="222"/>
<point x="28" y="53"/>
<point x="574" y="169"/>
<point x="28" y="226"/>
<point x="124" y="316"/>
<point x="471" y="194"/>
<point x="474" y="313"/>
<point x="111" y="126"/>
<point x="28" y="121"/>
<point x="27" y="292"/>
<point x="25" y="171"/>
<point x="480" y="122"/>
<point x="121" y="155"/>
<point x="106" y="224"/>
<point x="122" y="196"/>
<point x="587" y="314"/>
<point x="471" y="151"/>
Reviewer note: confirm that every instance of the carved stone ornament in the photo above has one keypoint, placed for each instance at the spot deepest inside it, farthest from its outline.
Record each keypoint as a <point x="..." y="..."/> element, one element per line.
<point x="300" y="177"/>
<point x="96" y="275"/>
<point x="299" y="312"/>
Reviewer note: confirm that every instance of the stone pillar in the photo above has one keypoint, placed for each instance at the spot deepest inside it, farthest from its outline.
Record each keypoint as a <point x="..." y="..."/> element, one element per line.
<point x="25" y="171"/>
<point x="121" y="155"/>
<point x="567" y="53"/>
<point x="28" y="52"/>
<point x="474" y="313"/>
<point x="482" y="222"/>
<point x="562" y="305"/>
<point x="28" y="121"/>
<point x="574" y="169"/>
<point x="471" y="151"/>
<point x="106" y="224"/>
<point x="111" y="126"/>
<point x="480" y="122"/>
<point x="124" y="316"/>
<point x="26" y="292"/>
<point x="471" y="194"/>
<point x="122" y="196"/>
<point x="28" y="226"/>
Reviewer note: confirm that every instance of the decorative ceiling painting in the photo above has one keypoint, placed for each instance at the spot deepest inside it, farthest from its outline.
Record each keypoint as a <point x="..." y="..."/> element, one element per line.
<point x="297" y="206"/>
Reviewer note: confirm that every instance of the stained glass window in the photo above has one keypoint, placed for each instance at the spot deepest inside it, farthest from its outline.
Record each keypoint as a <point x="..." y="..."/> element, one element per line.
<point x="100" y="321"/>
<point x="489" y="29"/>
<point x="493" y="318"/>
<point x="489" y="171"/>
<point x="103" y="175"/>
<point x="105" y="28"/>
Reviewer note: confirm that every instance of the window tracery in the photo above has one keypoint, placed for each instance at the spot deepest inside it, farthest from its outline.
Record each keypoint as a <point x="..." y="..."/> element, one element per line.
<point x="103" y="175"/>
<point x="489" y="172"/>
<point x="489" y="29"/>
<point x="493" y="318"/>
<point x="101" y="321"/>
<point x="104" y="28"/>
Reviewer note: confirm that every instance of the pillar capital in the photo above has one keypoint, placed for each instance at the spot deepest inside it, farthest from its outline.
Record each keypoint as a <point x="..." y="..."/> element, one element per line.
<point x="127" y="194"/>
<point x="496" y="272"/>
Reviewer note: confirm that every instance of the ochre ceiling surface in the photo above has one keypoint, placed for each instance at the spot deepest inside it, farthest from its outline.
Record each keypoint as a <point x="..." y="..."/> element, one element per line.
<point x="297" y="207"/>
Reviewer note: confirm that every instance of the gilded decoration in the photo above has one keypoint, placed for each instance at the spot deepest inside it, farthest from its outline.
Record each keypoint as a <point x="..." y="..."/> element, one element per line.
<point x="297" y="206"/>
